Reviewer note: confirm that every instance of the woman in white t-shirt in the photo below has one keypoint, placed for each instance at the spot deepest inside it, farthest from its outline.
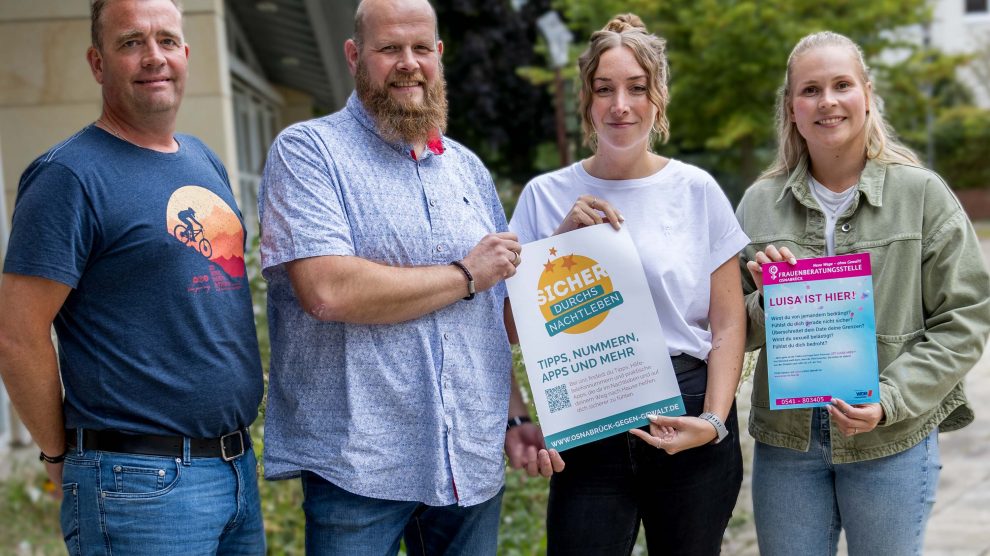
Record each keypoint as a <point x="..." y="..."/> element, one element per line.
<point x="681" y="476"/>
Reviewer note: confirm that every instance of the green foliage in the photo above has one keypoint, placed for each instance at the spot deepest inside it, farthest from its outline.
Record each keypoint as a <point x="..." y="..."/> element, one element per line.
<point x="961" y="138"/>
<point x="29" y="516"/>
<point x="921" y="82"/>
<point x="493" y="110"/>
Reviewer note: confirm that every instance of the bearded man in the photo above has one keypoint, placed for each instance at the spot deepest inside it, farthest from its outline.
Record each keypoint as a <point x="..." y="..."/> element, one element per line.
<point x="385" y="246"/>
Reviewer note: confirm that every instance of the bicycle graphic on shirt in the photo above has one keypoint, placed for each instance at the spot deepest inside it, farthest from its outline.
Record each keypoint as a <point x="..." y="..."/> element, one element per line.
<point x="190" y="232"/>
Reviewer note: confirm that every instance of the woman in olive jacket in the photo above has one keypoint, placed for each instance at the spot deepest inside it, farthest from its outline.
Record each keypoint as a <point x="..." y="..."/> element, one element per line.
<point x="842" y="184"/>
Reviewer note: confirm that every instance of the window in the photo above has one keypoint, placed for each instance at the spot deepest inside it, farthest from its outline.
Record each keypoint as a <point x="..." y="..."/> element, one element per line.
<point x="255" y="126"/>
<point x="976" y="6"/>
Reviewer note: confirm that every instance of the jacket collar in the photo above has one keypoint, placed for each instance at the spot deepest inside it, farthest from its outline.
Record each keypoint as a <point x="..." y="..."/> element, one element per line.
<point x="870" y="184"/>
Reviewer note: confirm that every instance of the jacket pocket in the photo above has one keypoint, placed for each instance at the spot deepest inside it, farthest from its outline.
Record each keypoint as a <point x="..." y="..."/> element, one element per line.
<point x="890" y="346"/>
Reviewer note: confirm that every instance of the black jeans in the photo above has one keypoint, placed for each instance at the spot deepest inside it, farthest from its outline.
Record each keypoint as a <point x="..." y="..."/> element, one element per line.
<point x="684" y="500"/>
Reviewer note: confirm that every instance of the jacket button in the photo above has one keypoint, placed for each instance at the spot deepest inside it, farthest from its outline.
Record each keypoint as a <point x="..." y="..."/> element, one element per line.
<point x="846" y="227"/>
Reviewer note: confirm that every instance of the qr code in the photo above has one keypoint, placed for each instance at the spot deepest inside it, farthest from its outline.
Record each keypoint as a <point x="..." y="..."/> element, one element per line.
<point x="557" y="398"/>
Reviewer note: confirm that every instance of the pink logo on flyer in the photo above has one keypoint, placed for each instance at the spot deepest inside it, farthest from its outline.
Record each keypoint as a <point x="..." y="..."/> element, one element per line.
<point x="825" y="268"/>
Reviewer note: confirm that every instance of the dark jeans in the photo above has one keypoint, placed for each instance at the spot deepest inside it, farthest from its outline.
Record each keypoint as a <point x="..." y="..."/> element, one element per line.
<point x="684" y="500"/>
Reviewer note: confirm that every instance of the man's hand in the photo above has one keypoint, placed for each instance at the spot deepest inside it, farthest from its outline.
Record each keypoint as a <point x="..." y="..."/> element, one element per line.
<point x="525" y="449"/>
<point x="493" y="259"/>
<point x="54" y="471"/>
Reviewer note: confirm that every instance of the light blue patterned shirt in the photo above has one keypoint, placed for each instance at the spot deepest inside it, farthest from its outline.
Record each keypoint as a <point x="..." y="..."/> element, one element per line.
<point x="411" y="411"/>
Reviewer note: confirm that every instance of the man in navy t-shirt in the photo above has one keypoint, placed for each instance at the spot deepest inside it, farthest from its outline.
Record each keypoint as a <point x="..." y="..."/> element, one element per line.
<point x="157" y="346"/>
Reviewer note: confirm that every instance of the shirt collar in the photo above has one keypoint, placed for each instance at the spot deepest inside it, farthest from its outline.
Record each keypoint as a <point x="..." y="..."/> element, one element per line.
<point x="434" y="144"/>
<point x="870" y="183"/>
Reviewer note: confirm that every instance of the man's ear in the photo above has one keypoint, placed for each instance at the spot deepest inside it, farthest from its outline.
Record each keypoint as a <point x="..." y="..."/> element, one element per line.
<point x="439" y="48"/>
<point x="95" y="60"/>
<point x="351" y="52"/>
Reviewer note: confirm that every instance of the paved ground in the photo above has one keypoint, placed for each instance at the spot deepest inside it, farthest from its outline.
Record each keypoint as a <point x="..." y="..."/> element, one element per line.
<point x="960" y="522"/>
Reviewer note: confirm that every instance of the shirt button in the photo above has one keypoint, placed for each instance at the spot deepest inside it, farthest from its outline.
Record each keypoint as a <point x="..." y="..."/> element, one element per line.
<point x="446" y="336"/>
<point x="440" y="248"/>
<point x="433" y="203"/>
<point x="846" y="227"/>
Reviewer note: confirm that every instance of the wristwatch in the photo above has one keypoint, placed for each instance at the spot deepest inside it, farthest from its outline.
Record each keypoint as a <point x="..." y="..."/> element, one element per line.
<point x="720" y="430"/>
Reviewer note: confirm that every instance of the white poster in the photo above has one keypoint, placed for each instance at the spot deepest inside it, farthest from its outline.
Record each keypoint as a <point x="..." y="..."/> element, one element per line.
<point x="595" y="353"/>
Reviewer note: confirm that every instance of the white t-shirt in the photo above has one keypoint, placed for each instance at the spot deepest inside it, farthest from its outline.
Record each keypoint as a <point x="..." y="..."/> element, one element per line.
<point x="681" y="222"/>
<point x="833" y="205"/>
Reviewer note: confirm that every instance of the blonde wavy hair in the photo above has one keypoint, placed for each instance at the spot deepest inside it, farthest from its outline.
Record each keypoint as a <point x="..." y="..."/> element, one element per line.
<point x="629" y="31"/>
<point x="881" y="141"/>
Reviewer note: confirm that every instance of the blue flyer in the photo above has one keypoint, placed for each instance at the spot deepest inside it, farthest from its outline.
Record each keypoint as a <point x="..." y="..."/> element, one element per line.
<point x="820" y="332"/>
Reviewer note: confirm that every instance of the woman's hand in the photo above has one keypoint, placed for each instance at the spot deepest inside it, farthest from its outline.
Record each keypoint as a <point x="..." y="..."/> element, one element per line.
<point x="588" y="211"/>
<point x="676" y="434"/>
<point x="855" y="419"/>
<point x="769" y="255"/>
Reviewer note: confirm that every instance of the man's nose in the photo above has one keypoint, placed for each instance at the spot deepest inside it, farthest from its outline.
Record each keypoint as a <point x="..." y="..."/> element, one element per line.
<point x="407" y="61"/>
<point x="153" y="55"/>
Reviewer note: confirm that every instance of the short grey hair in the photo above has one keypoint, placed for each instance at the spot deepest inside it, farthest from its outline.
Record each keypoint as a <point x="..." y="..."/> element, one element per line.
<point x="96" y="26"/>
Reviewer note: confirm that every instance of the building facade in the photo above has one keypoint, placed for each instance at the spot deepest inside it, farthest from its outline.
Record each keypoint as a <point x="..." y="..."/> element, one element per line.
<point x="963" y="26"/>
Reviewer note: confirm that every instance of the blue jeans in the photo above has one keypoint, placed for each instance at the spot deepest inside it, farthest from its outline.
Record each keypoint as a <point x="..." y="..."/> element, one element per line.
<point x="610" y="485"/>
<point x="151" y="505"/>
<point x="801" y="500"/>
<point x="344" y="523"/>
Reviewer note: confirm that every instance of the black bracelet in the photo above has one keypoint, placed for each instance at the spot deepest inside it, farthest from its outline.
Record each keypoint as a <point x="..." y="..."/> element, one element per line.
<point x="42" y="456"/>
<point x="516" y="421"/>
<point x="470" y="279"/>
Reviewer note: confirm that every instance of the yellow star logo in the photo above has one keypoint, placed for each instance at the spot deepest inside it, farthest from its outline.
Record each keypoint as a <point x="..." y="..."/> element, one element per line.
<point x="569" y="262"/>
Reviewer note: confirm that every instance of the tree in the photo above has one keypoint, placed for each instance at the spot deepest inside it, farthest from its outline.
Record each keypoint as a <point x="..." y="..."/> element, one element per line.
<point x="499" y="115"/>
<point x="728" y="59"/>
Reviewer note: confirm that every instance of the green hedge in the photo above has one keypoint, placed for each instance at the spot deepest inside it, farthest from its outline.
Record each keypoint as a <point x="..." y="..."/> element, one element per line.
<point x="962" y="147"/>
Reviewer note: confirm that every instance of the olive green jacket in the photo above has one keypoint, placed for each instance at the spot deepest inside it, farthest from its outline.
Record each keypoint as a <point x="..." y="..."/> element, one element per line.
<point x="931" y="294"/>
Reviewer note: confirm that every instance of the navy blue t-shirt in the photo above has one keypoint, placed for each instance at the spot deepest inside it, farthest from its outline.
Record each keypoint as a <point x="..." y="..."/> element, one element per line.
<point x="157" y="335"/>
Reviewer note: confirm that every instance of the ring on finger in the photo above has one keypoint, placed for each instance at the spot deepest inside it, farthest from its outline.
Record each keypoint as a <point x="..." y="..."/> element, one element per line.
<point x="515" y="259"/>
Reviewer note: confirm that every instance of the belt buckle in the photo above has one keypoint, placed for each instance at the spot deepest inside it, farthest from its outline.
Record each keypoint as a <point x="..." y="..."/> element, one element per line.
<point x="223" y="445"/>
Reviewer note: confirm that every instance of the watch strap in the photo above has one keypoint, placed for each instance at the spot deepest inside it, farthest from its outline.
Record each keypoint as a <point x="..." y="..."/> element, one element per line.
<point x="720" y="430"/>
<point x="516" y="421"/>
